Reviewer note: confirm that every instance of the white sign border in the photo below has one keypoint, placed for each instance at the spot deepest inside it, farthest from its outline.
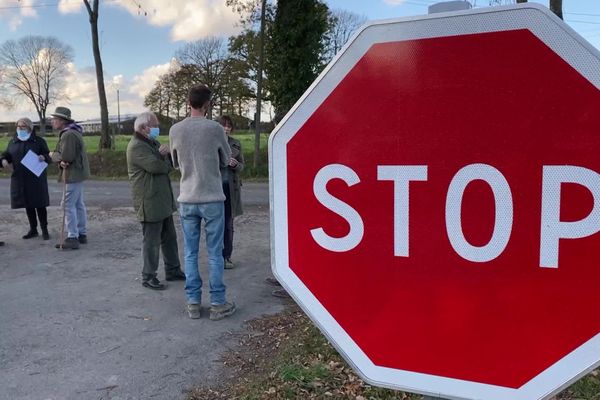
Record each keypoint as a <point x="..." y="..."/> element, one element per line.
<point x="555" y="34"/>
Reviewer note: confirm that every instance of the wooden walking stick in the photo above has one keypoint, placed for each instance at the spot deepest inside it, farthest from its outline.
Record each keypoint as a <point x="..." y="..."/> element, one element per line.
<point x="64" y="194"/>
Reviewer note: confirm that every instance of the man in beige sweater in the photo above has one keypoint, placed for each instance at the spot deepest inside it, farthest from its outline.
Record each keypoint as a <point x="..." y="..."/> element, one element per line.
<point x="199" y="149"/>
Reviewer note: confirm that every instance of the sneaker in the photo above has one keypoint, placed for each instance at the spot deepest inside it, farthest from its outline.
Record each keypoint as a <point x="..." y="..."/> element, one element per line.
<point x="31" y="234"/>
<point x="194" y="311"/>
<point x="221" y="311"/>
<point x="154" y="284"/>
<point x="82" y="239"/>
<point x="70" y="243"/>
<point x="229" y="264"/>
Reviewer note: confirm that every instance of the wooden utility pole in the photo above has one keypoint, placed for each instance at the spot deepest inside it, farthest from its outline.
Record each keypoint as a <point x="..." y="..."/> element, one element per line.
<point x="261" y="60"/>
<point x="105" y="139"/>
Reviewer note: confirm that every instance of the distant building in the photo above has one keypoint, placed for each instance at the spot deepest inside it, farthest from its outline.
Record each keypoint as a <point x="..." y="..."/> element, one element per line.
<point x="90" y="126"/>
<point x="9" y="128"/>
<point x="446" y="6"/>
<point x="93" y="126"/>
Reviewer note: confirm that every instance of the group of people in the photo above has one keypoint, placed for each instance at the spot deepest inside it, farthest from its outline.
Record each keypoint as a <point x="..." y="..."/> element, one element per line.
<point x="209" y="160"/>
<point x="30" y="191"/>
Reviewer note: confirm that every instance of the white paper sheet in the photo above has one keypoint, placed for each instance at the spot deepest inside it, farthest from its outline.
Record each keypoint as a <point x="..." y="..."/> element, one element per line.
<point x="32" y="162"/>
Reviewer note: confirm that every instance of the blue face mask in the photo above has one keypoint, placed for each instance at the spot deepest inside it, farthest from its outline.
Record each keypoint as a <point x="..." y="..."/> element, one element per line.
<point x="23" y="134"/>
<point x="154" y="132"/>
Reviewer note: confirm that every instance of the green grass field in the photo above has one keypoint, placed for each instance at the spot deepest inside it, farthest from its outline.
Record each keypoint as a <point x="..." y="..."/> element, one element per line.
<point x="92" y="142"/>
<point x="112" y="164"/>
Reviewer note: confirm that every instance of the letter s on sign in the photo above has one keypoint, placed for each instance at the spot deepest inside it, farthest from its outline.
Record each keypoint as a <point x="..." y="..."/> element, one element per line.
<point x="355" y="235"/>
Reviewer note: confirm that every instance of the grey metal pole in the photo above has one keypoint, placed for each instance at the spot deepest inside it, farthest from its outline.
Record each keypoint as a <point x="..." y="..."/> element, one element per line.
<point x="118" y="114"/>
<point x="118" y="120"/>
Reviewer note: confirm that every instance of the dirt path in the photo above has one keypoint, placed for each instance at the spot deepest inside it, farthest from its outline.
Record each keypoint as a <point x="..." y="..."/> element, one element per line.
<point x="79" y="325"/>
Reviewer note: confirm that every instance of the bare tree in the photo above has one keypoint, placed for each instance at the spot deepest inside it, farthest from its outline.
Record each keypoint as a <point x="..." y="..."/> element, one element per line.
<point x="209" y="56"/>
<point x="343" y="24"/>
<point x="34" y="67"/>
<point x="93" y="10"/>
<point x="168" y="97"/>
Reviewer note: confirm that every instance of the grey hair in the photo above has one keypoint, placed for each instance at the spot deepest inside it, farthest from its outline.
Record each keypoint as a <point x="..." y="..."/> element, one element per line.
<point x="143" y="120"/>
<point x="27" y="122"/>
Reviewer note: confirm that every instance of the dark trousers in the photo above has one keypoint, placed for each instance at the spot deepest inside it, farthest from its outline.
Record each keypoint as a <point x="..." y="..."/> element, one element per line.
<point x="41" y="214"/>
<point x="159" y="236"/>
<point x="228" y="234"/>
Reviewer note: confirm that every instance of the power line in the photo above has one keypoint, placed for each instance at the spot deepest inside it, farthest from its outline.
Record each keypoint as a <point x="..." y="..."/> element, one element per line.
<point x="584" y="14"/>
<point x="583" y="22"/>
<point x="140" y="8"/>
<point x="22" y="6"/>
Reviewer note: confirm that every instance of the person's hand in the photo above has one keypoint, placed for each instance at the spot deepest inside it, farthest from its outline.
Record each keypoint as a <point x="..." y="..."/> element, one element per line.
<point x="164" y="149"/>
<point x="64" y="164"/>
<point x="51" y="154"/>
<point x="5" y="164"/>
<point x="41" y="158"/>
<point x="233" y="162"/>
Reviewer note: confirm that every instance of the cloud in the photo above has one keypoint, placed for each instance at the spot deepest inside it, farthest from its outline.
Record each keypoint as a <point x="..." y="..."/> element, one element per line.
<point x="69" y="6"/>
<point x="81" y="89"/>
<point x="83" y="93"/>
<point x="16" y="13"/>
<point x="394" y="2"/>
<point x="81" y="85"/>
<point x="190" y="20"/>
<point x="143" y="83"/>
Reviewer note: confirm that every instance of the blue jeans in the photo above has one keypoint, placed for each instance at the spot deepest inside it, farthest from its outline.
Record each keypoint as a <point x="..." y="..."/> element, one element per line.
<point x="75" y="213"/>
<point x="192" y="215"/>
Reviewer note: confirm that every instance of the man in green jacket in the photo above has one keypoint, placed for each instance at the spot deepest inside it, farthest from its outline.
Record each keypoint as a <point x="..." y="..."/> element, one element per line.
<point x="148" y="166"/>
<point x="71" y="156"/>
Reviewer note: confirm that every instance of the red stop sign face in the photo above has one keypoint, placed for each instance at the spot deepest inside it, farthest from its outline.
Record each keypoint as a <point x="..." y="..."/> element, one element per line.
<point x="435" y="202"/>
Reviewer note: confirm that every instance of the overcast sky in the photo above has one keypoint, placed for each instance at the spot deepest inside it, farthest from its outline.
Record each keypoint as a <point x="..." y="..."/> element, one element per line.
<point x="140" y="37"/>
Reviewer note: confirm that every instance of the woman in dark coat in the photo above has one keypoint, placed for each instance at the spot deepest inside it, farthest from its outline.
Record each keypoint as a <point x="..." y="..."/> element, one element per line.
<point x="232" y="185"/>
<point x="27" y="190"/>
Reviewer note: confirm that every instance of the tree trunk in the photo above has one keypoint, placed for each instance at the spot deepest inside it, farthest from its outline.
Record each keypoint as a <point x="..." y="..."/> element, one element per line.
<point x="105" y="139"/>
<point x="261" y="60"/>
<point x="42" y="117"/>
<point x="556" y="8"/>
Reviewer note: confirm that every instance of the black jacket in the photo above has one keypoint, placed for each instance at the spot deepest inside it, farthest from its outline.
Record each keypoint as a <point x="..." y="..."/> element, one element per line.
<point x="26" y="189"/>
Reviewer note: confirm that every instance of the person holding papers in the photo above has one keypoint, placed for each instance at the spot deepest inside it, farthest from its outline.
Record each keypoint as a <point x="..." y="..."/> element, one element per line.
<point x="28" y="182"/>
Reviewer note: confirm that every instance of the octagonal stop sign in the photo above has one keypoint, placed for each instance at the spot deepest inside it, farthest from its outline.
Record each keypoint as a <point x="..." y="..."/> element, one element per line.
<point x="435" y="203"/>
